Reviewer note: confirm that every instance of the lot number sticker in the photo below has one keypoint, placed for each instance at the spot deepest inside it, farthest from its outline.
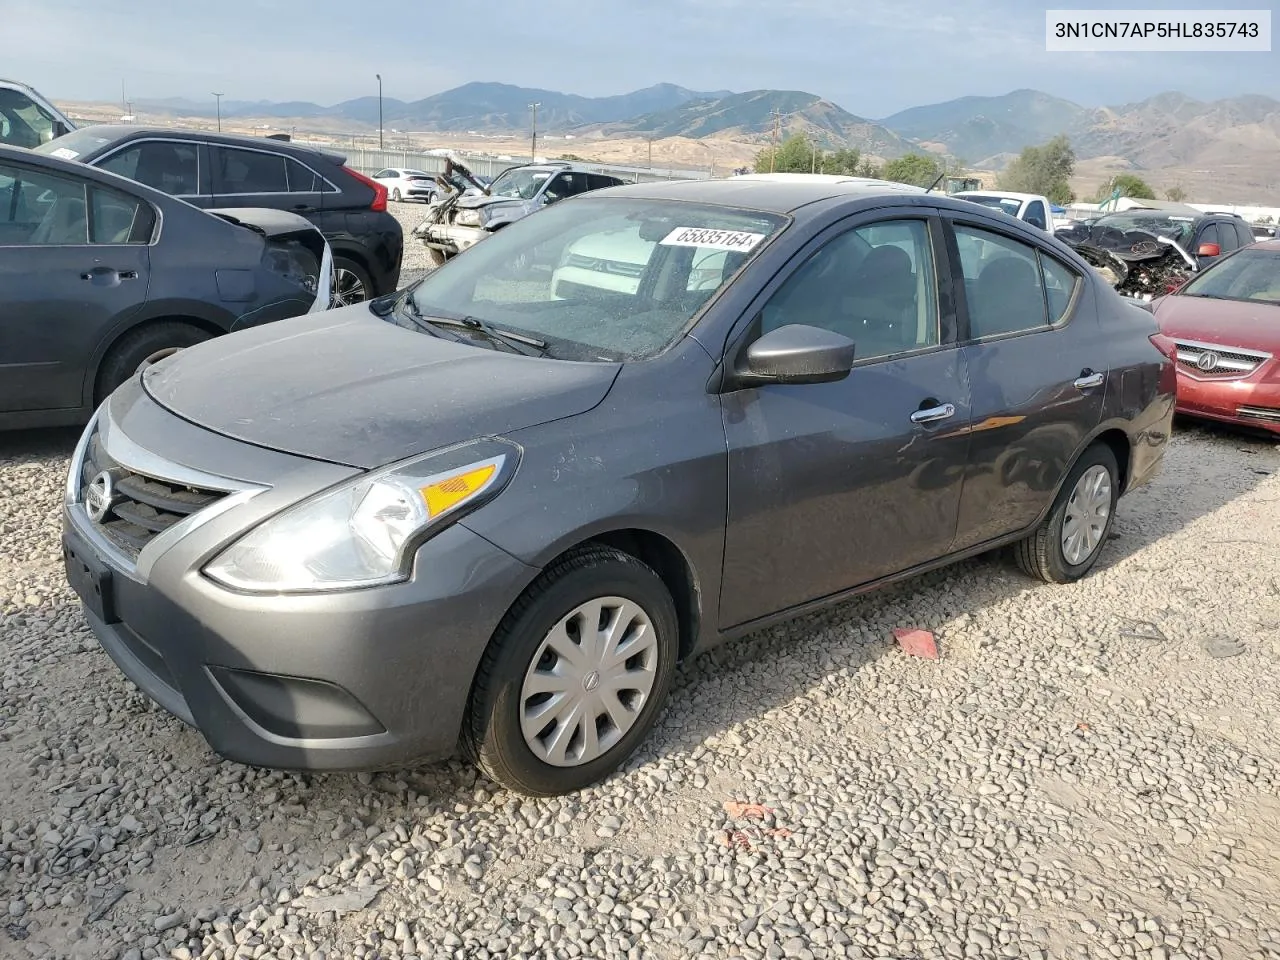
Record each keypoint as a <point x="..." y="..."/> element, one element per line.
<point x="62" y="153"/>
<point x="712" y="239"/>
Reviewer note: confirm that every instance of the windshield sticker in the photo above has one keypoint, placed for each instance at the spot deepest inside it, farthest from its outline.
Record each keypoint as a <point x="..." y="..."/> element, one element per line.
<point x="63" y="153"/>
<point x="712" y="239"/>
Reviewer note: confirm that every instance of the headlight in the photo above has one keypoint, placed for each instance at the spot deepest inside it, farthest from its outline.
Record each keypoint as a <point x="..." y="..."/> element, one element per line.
<point x="364" y="531"/>
<point x="468" y="218"/>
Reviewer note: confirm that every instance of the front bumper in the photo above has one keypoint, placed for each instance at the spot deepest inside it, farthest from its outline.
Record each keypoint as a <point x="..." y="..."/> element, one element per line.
<point x="359" y="679"/>
<point x="451" y="237"/>
<point x="1247" y="402"/>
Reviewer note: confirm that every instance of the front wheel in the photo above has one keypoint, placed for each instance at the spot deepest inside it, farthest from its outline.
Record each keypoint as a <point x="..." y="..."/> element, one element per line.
<point x="1066" y="545"/>
<point x="436" y="257"/>
<point x="575" y="675"/>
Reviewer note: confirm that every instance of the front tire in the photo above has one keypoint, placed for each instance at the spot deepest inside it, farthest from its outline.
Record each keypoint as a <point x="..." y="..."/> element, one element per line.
<point x="575" y="676"/>
<point x="1066" y="545"/>
<point x="436" y="257"/>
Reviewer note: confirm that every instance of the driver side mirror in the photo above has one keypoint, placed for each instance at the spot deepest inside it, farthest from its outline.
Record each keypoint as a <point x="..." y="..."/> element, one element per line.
<point x="1209" y="250"/>
<point x="795" y="353"/>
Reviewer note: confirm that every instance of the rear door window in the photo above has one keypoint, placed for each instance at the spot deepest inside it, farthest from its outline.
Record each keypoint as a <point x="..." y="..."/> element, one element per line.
<point x="1003" y="283"/>
<point x="243" y="172"/>
<point x="1036" y="215"/>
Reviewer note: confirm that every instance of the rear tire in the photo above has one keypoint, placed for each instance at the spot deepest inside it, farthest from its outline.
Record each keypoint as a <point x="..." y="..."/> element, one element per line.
<point x="352" y="283"/>
<point x="1067" y="544"/>
<point x="395" y="194"/>
<point x="503" y="732"/>
<point x="142" y="346"/>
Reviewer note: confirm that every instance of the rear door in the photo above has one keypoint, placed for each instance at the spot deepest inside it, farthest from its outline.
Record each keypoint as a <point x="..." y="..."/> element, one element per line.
<point x="245" y="177"/>
<point x="74" y="262"/>
<point x="1037" y="362"/>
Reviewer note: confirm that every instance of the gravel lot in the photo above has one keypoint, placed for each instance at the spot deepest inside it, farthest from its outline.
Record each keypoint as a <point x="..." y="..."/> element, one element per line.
<point x="1083" y="774"/>
<point x="414" y="263"/>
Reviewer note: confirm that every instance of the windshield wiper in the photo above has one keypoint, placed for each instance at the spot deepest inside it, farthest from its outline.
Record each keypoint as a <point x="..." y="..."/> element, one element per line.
<point x="517" y="342"/>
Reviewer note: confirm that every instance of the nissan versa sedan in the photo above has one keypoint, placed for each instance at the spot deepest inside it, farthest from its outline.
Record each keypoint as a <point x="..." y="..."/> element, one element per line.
<point x="477" y="515"/>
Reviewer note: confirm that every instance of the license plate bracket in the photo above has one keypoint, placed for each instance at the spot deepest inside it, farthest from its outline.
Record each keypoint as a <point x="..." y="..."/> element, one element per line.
<point x="90" y="578"/>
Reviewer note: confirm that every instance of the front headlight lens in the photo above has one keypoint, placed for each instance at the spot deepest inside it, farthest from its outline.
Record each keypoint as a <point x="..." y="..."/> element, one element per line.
<point x="468" y="218"/>
<point x="362" y="532"/>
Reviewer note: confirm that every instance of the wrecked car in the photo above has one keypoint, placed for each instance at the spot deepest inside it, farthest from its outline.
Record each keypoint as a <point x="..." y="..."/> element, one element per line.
<point x="1148" y="253"/>
<point x="473" y="209"/>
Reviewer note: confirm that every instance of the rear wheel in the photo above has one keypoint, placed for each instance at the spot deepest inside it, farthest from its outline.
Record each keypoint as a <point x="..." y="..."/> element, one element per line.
<point x="395" y="194"/>
<point x="141" y="348"/>
<point x="575" y="675"/>
<point x="1067" y="544"/>
<point x="351" y="282"/>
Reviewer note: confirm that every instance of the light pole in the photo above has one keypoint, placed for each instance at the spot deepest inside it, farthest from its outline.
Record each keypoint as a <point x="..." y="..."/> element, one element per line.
<point x="379" y="76"/>
<point x="218" y="100"/>
<point x="533" y="152"/>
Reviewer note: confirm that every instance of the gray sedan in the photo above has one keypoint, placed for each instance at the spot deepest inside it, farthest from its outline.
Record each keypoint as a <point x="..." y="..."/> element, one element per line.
<point x="494" y="511"/>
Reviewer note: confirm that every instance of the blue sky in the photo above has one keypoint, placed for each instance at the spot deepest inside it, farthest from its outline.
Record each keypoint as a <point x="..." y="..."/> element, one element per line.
<point x="871" y="58"/>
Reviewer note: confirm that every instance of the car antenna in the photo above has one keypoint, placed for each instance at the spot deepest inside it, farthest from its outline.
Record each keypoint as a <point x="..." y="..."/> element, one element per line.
<point x="936" y="182"/>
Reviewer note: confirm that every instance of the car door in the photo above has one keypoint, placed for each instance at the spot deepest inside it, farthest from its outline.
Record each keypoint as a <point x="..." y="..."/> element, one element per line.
<point x="73" y="263"/>
<point x="1037" y="362"/>
<point x="834" y="485"/>
<point x="1210" y="232"/>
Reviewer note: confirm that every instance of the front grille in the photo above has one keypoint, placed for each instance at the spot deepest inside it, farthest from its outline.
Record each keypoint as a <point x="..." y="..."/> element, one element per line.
<point x="1269" y="414"/>
<point x="143" y="507"/>
<point x="1225" y="362"/>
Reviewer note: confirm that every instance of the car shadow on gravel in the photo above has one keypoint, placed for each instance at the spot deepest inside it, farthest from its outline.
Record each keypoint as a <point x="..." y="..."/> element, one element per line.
<point x="28" y="446"/>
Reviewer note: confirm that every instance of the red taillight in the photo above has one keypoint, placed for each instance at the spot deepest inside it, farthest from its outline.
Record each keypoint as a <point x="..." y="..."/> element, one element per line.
<point x="1165" y="345"/>
<point x="379" y="204"/>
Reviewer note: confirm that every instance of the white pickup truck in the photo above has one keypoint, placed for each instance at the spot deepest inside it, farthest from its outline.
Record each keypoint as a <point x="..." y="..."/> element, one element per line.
<point x="1034" y="209"/>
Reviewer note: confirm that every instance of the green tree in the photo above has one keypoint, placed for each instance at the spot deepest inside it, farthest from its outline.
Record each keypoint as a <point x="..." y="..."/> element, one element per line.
<point x="915" y="168"/>
<point x="1045" y="170"/>
<point x="1129" y="185"/>
<point x="1176" y="194"/>
<point x="800" y="154"/>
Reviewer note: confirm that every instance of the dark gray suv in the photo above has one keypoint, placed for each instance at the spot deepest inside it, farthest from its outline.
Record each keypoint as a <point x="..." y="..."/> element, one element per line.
<point x="483" y="513"/>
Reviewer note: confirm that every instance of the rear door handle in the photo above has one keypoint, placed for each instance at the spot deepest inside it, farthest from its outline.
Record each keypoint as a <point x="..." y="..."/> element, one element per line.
<point x="930" y="414"/>
<point x="97" y="272"/>
<point x="1088" y="379"/>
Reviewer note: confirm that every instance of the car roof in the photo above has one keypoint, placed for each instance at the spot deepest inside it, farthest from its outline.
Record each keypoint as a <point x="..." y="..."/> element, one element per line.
<point x="1011" y="194"/>
<point x="771" y="193"/>
<point x="118" y="132"/>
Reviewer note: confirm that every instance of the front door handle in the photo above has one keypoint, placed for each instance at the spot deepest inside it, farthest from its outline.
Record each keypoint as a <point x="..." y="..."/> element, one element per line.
<point x="1088" y="379"/>
<point x="929" y="414"/>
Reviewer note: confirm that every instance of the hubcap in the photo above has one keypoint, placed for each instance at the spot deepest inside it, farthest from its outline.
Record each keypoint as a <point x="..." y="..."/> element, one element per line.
<point x="1087" y="513"/>
<point x="347" y="288"/>
<point x="588" y="682"/>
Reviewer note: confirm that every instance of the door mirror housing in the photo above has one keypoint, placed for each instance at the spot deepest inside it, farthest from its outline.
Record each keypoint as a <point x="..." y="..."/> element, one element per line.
<point x="1208" y="250"/>
<point x="795" y="353"/>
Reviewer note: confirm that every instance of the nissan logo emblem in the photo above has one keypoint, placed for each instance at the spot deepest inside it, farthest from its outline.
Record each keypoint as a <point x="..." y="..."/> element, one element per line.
<point x="99" y="496"/>
<point x="1207" y="361"/>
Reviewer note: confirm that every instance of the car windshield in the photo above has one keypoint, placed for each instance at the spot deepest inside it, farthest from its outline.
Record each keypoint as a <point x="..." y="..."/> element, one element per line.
<point x="596" y="278"/>
<point x="76" y="144"/>
<point x="519" y="184"/>
<point x="1008" y="204"/>
<point x="1178" y="229"/>
<point x="23" y="122"/>
<point x="1251" y="274"/>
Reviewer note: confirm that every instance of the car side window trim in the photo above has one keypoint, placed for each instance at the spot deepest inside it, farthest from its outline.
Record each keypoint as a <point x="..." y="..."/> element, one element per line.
<point x="331" y="187"/>
<point x="964" y="220"/>
<point x="746" y="327"/>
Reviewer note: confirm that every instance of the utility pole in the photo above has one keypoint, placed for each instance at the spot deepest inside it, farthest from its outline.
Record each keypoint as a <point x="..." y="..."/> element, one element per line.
<point x="218" y="99"/>
<point x="533" y="151"/>
<point x="379" y="76"/>
<point x="777" y="130"/>
<point x="813" y="154"/>
<point x="651" y="153"/>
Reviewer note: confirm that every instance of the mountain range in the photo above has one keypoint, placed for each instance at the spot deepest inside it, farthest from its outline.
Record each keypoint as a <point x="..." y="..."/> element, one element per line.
<point x="1167" y="130"/>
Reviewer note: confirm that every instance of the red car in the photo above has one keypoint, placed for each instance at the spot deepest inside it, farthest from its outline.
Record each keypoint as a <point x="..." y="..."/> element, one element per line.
<point x="1226" y="324"/>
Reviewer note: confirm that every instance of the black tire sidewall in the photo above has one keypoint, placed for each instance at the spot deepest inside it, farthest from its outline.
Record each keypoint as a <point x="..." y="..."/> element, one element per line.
<point x="123" y="360"/>
<point x="1099" y="455"/>
<point x="504" y="741"/>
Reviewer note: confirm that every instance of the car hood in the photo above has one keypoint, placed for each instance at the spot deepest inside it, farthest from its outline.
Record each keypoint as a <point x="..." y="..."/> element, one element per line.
<point x="1231" y="323"/>
<point x="350" y="388"/>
